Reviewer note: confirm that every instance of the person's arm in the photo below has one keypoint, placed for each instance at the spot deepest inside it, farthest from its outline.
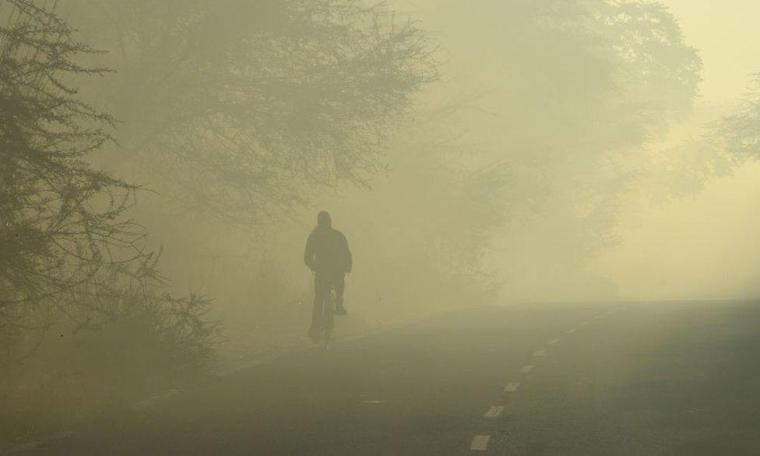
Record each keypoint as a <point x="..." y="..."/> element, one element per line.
<point x="349" y="258"/>
<point x="308" y="254"/>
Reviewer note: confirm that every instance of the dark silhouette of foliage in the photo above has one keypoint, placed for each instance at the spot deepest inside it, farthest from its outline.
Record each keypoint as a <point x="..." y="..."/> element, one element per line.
<point x="67" y="250"/>
<point x="56" y="235"/>
<point x="239" y="107"/>
<point x="741" y="130"/>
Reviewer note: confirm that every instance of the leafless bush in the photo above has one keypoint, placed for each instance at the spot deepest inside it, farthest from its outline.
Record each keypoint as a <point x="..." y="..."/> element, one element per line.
<point x="68" y="251"/>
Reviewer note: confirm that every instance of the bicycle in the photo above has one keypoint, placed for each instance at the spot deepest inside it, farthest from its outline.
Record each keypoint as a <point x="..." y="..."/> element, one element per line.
<point x="327" y="323"/>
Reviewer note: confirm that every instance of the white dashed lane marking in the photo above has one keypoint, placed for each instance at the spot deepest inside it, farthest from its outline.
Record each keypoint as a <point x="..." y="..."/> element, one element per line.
<point x="480" y="443"/>
<point x="494" y="412"/>
<point x="511" y="387"/>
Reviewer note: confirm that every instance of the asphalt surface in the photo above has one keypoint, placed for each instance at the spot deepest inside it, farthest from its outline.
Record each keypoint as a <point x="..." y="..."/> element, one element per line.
<point x="591" y="379"/>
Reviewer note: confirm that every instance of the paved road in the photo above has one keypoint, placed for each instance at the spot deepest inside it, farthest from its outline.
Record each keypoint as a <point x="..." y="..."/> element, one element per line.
<point x="601" y="379"/>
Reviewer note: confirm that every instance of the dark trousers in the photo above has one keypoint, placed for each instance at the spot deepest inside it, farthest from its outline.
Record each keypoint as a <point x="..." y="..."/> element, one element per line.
<point x="323" y="283"/>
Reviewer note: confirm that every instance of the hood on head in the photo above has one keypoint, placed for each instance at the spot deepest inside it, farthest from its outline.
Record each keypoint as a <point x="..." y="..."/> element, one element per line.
<point x="324" y="220"/>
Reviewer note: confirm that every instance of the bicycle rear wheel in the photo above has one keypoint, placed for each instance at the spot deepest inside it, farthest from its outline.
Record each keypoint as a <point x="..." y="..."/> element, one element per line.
<point x="328" y="319"/>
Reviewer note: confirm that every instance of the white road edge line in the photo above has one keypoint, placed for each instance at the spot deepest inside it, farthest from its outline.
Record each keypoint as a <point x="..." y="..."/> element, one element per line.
<point x="494" y="412"/>
<point x="480" y="443"/>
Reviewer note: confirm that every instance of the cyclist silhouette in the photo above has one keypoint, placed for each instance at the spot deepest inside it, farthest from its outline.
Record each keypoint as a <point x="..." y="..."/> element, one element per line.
<point x="328" y="256"/>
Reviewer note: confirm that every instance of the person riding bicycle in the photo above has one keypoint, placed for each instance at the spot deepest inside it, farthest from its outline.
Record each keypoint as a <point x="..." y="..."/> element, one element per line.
<point x="328" y="256"/>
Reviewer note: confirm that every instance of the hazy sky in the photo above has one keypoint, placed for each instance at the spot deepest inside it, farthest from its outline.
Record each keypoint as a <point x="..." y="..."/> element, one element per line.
<point x="725" y="32"/>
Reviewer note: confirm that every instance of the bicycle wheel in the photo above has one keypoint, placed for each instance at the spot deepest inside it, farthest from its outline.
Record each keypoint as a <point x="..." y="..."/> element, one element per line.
<point x="328" y="320"/>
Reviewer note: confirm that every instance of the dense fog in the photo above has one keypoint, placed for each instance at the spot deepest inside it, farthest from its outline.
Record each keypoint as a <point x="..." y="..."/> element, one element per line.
<point x="492" y="153"/>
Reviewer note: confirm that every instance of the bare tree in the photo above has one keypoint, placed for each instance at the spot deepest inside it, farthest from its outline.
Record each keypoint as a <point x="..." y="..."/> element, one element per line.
<point x="239" y="107"/>
<point x="741" y="130"/>
<point x="67" y="249"/>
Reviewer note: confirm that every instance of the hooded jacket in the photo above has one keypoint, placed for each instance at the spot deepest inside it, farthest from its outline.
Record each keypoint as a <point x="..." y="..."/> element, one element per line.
<point x="327" y="251"/>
